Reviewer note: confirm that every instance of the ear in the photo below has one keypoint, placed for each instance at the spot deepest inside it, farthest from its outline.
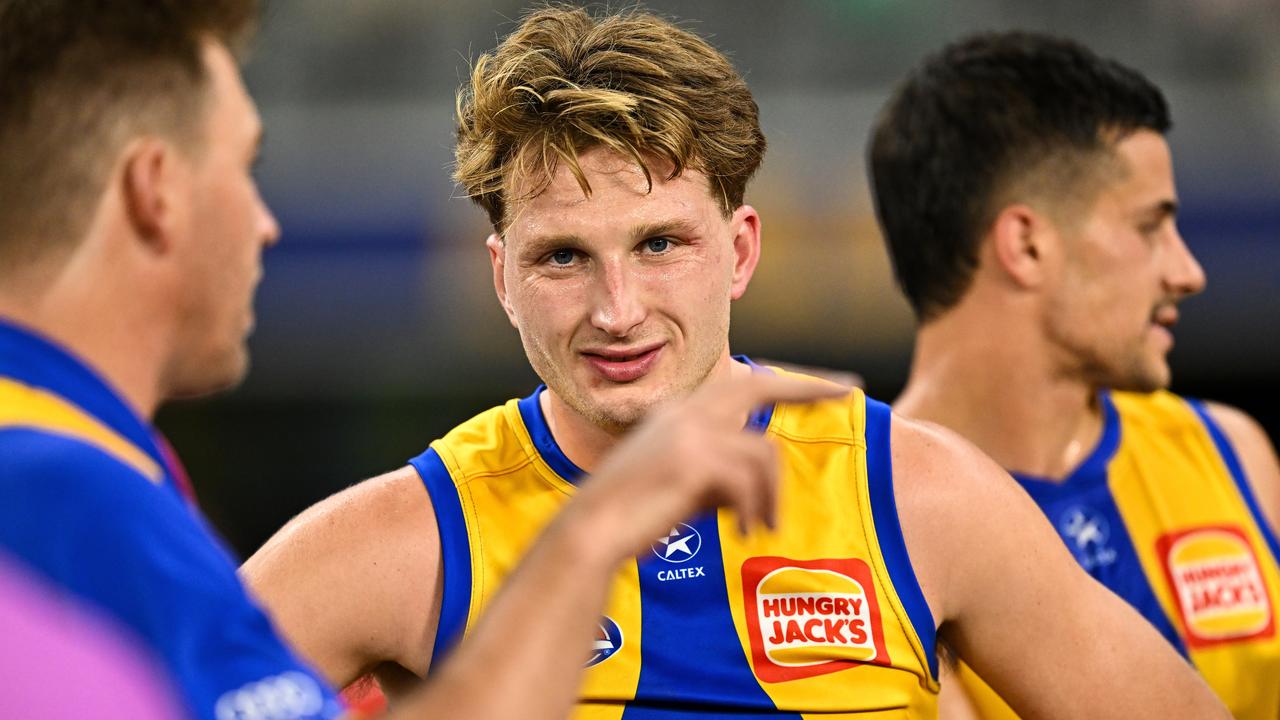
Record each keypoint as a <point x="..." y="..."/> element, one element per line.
<point x="498" y="259"/>
<point x="1020" y="237"/>
<point x="150" y="185"/>
<point x="746" y="248"/>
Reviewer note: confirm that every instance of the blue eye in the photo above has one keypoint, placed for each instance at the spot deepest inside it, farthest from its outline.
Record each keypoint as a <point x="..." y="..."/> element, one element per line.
<point x="562" y="257"/>
<point x="657" y="245"/>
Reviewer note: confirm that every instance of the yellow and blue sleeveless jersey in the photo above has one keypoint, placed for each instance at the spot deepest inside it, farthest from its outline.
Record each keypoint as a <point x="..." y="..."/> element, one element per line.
<point x="1163" y="515"/>
<point x="90" y="504"/>
<point x="821" y="619"/>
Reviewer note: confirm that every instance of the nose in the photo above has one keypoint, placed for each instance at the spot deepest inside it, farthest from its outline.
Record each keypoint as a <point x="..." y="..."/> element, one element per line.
<point x="269" y="227"/>
<point x="618" y="306"/>
<point x="1184" y="275"/>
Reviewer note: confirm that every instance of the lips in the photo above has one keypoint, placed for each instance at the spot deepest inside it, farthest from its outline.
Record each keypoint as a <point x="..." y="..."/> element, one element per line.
<point x="1165" y="315"/>
<point x="623" y="365"/>
<point x="1163" y="318"/>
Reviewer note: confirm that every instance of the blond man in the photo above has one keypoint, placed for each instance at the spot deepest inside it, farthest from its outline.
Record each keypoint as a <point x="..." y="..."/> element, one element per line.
<point x="611" y="154"/>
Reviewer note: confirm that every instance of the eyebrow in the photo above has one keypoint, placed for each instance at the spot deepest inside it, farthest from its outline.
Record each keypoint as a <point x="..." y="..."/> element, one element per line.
<point x="539" y="245"/>
<point x="658" y="229"/>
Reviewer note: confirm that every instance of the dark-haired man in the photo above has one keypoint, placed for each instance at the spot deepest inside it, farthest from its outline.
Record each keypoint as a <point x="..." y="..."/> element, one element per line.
<point x="1027" y="198"/>
<point x="131" y="233"/>
<point x="612" y="153"/>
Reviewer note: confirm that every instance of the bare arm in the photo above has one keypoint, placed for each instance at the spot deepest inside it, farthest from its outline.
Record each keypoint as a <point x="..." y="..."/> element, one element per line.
<point x="1257" y="457"/>
<point x="354" y="581"/>
<point x="1047" y="637"/>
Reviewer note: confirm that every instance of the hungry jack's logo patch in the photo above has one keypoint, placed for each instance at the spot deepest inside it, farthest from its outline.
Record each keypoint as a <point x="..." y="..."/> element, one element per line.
<point x="1217" y="585"/>
<point x="811" y="617"/>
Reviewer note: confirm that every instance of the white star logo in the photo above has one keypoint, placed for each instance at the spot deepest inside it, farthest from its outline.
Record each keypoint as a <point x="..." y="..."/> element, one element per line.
<point x="683" y="542"/>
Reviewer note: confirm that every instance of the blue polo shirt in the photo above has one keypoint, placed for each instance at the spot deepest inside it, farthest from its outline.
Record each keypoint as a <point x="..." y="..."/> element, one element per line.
<point x="88" y="501"/>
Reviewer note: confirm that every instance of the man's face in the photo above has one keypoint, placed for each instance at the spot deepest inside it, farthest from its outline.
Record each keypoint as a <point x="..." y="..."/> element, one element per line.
<point x="229" y="226"/>
<point x="1125" y="268"/>
<point x="622" y="298"/>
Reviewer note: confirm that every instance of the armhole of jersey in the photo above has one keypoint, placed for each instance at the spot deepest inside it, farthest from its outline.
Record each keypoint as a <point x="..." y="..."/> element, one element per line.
<point x="1228" y="454"/>
<point x="884" y="512"/>
<point x="455" y="551"/>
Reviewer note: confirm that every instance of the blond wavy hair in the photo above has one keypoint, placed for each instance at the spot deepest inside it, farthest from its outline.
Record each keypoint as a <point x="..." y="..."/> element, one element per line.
<point x="566" y="81"/>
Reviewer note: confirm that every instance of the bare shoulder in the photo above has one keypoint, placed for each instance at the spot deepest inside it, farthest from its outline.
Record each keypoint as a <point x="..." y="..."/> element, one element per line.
<point x="355" y="579"/>
<point x="926" y="449"/>
<point x="1246" y="434"/>
<point x="959" y="511"/>
<point x="374" y="511"/>
<point x="1256" y="453"/>
<point x="937" y="471"/>
<point x="941" y="484"/>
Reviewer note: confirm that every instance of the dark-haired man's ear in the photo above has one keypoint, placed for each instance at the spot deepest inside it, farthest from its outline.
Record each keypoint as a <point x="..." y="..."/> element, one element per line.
<point x="149" y="189"/>
<point x="1018" y="239"/>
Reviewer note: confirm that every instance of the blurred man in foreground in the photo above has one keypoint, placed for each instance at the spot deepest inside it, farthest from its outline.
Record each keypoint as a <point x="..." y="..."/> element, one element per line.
<point x="131" y="235"/>
<point x="611" y="154"/>
<point x="1027" y="199"/>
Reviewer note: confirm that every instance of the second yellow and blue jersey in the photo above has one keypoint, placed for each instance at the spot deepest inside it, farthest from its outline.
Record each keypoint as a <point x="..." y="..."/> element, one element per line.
<point x="1162" y="514"/>
<point x="823" y="618"/>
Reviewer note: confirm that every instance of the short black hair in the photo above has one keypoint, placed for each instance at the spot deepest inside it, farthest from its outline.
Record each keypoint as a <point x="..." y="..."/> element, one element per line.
<point x="969" y="122"/>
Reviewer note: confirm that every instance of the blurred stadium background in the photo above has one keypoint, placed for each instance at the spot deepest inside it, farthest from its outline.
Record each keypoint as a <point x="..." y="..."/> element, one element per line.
<point x="377" y="327"/>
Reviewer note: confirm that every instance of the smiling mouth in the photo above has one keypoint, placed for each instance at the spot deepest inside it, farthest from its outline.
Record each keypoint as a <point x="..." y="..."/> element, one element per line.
<point x="623" y="366"/>
<point x="620" y="357"/>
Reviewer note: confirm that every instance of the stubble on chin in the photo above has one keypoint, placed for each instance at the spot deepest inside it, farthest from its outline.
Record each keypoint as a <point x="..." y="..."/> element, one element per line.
<point x="614" y="421"/>
<point x="1146" y="377"/>
<point x="1137" y="373"/>
<point x="615" y="418"/>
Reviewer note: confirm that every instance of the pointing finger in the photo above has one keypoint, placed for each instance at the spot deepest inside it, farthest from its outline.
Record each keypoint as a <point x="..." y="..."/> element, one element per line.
<point x="760" y="388"/>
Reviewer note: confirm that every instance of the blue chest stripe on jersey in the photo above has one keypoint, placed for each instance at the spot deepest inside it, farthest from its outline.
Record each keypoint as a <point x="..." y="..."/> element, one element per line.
<point x="33" y="360"/>
<point x="893" y="548"/>
<point x="455" y="551"/>
<point x="1237" y="473"/>
<point x="691" y="655"/>
<point x="1084" y="512"/>
<point x="691" y="651"/>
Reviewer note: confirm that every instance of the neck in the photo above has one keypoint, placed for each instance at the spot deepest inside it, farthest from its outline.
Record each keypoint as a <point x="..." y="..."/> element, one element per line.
<point x="99" y="316"/>
<point x="1009" y="398"/>
<point x="585" y="442"/>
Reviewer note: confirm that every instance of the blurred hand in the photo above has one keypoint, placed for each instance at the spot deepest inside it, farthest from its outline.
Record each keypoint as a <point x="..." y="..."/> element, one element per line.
<point x="688" y="456"/>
